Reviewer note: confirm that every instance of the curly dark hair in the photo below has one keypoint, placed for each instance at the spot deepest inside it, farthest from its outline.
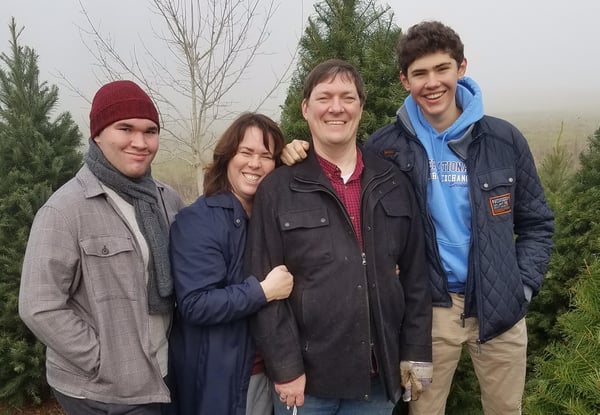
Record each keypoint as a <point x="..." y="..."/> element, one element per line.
<point x="426" y="38"/>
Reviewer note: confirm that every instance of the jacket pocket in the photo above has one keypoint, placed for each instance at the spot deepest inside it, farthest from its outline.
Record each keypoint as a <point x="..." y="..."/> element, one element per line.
<point x="497" y="190"/>
<point x="110" y="265"/>
<point x="307" y="237"/>
<point x="397" y="217"/>
<point x="57" y="363"/>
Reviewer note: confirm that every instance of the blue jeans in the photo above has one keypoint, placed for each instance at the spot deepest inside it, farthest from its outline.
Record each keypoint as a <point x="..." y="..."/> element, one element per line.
<point x="377" y="404"/>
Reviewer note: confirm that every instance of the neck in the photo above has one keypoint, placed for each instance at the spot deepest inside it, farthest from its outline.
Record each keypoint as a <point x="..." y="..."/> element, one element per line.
<point x="247" y="206"/>
<point x="443" y="121"/>
<point x="343" y="157"/>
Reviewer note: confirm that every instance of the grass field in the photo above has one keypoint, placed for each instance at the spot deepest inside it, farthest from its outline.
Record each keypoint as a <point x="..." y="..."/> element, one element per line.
<point x="543" y="128"/>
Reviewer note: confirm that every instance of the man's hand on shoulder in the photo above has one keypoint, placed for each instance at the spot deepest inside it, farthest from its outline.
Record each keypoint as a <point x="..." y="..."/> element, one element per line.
<point x="294" y="152"/>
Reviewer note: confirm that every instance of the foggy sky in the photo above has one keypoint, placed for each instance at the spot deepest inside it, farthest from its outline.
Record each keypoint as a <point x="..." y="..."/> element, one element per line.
<point x="527" y="55"/>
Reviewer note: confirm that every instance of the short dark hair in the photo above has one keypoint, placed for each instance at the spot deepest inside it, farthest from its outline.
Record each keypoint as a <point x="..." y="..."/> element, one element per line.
<point x="331" y="68"/>
<point x="215" y="174"/>
<point x="426" y="38"/>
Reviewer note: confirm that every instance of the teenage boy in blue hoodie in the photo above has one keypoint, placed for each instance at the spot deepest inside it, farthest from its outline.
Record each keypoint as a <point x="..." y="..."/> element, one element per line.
<point x="487" y="223"/>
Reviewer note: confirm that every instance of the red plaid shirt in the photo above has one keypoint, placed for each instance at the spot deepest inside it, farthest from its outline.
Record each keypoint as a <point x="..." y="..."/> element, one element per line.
<point x="349" y="192"/>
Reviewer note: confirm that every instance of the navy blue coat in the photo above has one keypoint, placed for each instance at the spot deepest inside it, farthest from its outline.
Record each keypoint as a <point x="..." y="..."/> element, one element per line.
<point x="512" y="224"/>
<point x="211" y="351"/>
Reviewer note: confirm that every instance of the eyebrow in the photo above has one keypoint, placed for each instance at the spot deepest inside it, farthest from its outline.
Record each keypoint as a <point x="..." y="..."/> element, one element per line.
<point x="252" y="150"/>
<point x="129" y="125"/>
<point x="343" y="93"/>
<point x="438" y="66"/>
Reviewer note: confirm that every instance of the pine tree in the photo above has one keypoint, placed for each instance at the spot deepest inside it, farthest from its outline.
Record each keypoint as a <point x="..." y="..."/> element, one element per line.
<point x="567" y="377"/>
<point x="577" y="232"/>
<point x="37" y="155"/>
<point x="363" y="34"/>
<point x="575" y="202"/>
<point x="556" y="173"/>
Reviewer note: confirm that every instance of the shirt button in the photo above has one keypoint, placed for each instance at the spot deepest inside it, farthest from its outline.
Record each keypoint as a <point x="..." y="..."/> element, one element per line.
<point x="105" y="250"/>
<point x="286" y="225"/>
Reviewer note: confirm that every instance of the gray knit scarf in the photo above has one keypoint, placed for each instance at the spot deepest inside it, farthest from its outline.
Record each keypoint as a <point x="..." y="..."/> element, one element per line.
<point x="143" y="195"/>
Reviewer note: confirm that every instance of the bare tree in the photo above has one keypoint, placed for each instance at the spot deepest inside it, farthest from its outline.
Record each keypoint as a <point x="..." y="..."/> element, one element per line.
<point x="212" y="46"/>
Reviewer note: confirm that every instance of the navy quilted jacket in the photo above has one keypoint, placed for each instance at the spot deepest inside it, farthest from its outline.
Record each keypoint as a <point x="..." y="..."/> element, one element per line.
<point x="512" y="224"/>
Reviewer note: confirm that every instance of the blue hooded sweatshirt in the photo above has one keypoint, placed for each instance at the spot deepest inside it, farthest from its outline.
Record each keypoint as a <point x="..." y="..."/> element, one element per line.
<point x="447" y="185"/>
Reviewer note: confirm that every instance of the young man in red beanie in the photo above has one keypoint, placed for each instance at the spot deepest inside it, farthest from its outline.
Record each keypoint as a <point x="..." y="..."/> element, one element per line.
<point x="96" y="286"/>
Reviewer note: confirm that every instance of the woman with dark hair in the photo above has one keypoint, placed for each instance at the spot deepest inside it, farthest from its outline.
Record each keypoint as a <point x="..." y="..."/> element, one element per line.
<point x="211" y="352"/>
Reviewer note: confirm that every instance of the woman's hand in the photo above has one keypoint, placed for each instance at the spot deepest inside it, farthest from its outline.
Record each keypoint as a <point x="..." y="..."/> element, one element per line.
<point x="278" y="284"/>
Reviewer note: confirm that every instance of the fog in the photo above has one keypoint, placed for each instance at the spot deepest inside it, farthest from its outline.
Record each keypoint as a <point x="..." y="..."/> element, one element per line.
<point x="527" y="55"/>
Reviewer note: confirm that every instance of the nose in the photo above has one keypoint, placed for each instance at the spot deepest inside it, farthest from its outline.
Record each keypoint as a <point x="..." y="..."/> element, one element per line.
<point x="336" y="105"/>
<point x="138" y="140"/>
<point x="254" y="161"/>
<point x="432" y="81"/>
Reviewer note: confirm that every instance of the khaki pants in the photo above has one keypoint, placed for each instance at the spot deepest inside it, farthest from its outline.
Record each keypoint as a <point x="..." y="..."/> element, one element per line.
<point x="499" y="363"/>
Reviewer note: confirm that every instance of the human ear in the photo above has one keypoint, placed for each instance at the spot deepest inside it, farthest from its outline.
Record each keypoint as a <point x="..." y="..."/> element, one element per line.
<point x="304" y="107"/>
<point x="404" y="81"/>
<point x="462" y="68"/>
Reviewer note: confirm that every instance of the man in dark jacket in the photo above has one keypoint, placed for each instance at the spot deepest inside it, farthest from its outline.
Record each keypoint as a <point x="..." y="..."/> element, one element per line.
<point x="488" y="226"/>
<point x="348" y="226"/>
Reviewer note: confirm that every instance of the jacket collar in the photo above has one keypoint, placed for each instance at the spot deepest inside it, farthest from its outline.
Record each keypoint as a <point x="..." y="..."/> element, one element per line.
<point x="226" y="200"/>
<point x="461" y="145"/>
<point x="310" y="170"/>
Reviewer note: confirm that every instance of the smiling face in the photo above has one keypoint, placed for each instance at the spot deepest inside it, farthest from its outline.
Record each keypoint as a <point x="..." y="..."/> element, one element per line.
<point x="432" y="81"/>
<point x="249" y="166"/>
<point x="333" y="111"/>
<point x="129" y="145"/>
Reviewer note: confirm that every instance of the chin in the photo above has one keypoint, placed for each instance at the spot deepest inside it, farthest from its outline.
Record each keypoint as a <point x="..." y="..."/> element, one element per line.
<point x="135" y="174"/>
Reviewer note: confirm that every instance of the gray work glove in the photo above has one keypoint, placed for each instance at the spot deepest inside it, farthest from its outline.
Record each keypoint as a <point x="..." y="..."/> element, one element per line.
<point x="415" y="377"/>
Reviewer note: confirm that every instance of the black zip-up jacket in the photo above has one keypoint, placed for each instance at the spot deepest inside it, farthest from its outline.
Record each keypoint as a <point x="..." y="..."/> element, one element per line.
<point x="512" y="224"/>
<point x="346" y="301"/>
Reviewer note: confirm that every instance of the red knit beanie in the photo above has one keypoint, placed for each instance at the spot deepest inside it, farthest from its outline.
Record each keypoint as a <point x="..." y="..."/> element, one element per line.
<point x="120" y="100"/>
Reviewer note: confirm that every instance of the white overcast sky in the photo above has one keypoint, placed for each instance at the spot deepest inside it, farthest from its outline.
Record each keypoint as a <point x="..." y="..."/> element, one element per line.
<point x="527" y="55"/>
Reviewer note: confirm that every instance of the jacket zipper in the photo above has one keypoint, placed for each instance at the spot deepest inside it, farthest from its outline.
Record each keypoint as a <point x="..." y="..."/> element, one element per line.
<point x="363" y="255"/>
